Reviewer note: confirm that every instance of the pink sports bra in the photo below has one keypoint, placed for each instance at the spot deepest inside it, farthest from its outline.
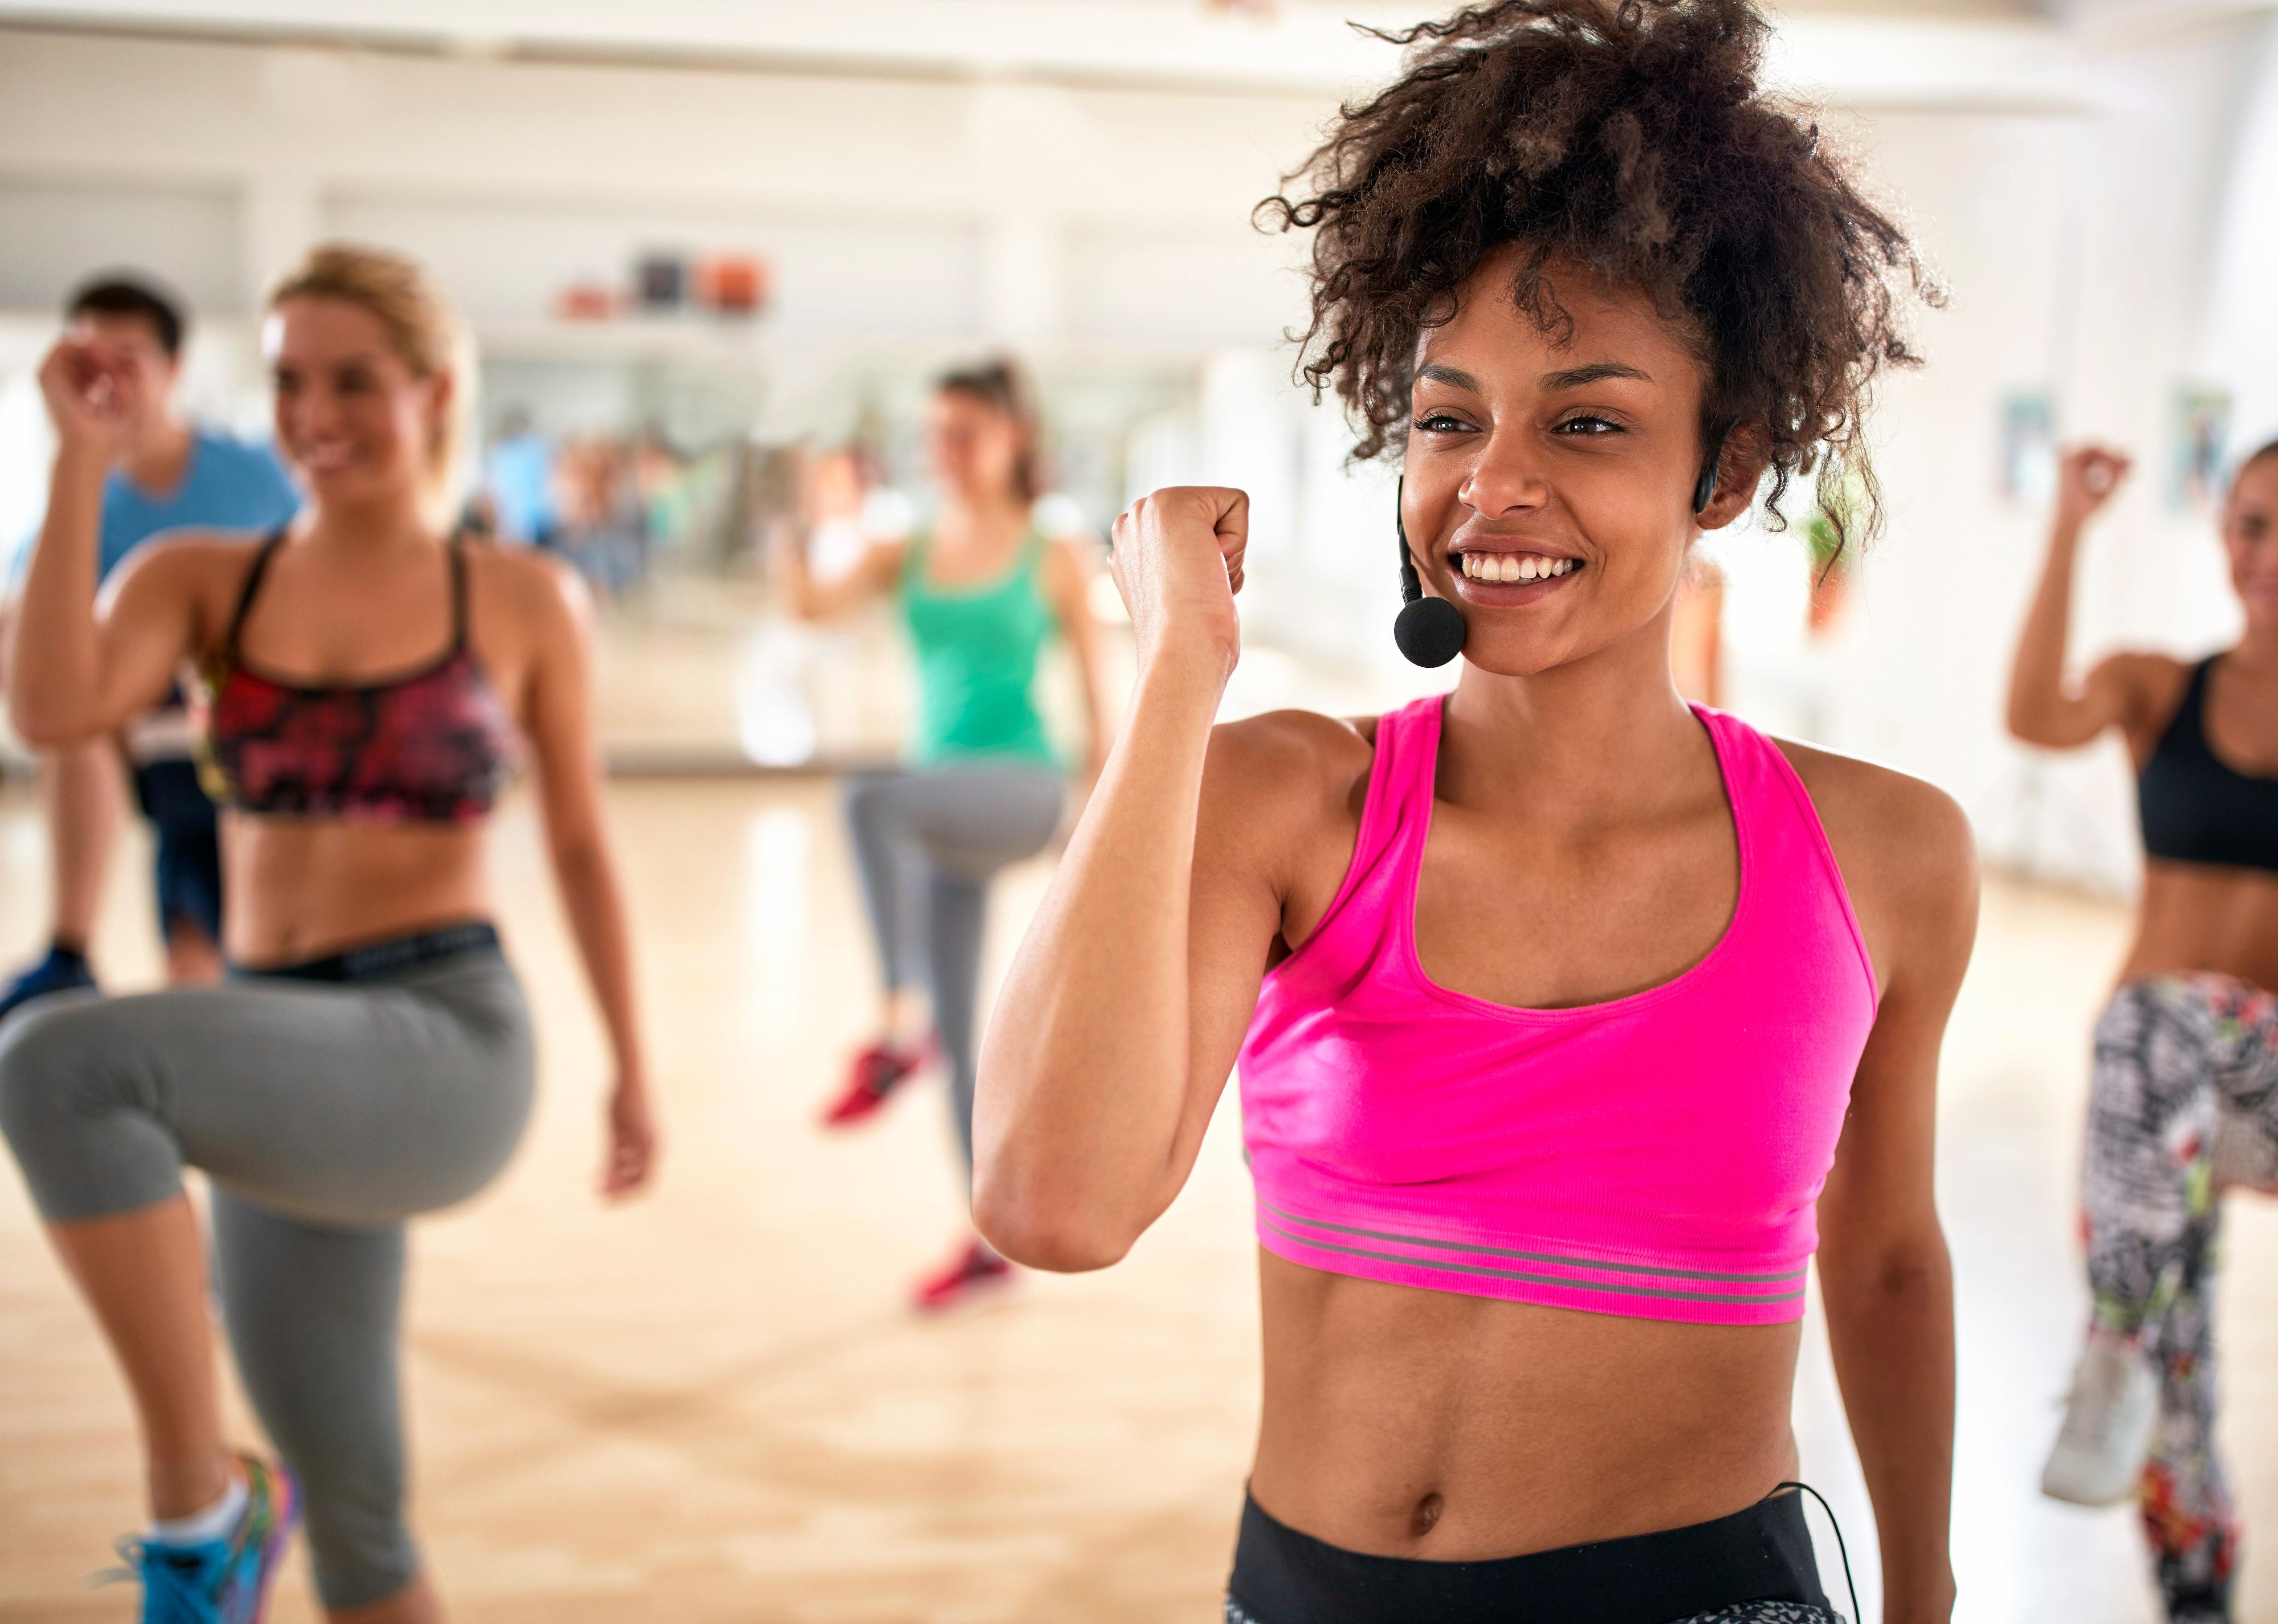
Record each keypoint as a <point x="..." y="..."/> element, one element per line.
<point x="1657" y="1157"/>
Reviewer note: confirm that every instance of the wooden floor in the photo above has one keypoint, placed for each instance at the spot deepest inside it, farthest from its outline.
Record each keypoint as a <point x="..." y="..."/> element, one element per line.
<point x="713" y="1406"/>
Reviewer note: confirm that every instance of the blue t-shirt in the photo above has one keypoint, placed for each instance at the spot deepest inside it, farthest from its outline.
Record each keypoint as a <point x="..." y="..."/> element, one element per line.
<point x="519" y="473"/>
<point x="228" y="485"/>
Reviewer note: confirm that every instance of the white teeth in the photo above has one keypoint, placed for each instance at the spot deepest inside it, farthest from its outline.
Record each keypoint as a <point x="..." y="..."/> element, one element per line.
<point x="1515" y="567"/>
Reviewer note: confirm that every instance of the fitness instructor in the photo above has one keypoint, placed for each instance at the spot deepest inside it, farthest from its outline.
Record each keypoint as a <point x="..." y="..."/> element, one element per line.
<point x="1573" y="1021"/>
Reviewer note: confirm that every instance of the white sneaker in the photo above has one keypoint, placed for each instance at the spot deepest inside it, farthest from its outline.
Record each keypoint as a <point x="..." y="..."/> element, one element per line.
<point x="2107" y="1426"/>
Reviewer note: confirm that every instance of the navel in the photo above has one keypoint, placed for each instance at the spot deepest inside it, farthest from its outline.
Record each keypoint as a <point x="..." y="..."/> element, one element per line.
<point x="1426" y="1516"/>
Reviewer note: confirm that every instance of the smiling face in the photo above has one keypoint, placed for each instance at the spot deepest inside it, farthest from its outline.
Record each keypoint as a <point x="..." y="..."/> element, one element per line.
<point x="1550" y="475"/>
<point x="2249" y="539"/>
<point x="352" y="417"/>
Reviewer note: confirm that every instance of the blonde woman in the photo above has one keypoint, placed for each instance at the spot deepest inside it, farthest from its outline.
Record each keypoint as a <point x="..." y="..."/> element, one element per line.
<point x="367" y="682"/>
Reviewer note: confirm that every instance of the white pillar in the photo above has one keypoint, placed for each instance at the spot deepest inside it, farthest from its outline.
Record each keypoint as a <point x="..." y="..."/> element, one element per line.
<point x="1021" y="280"/>
<point x="1031" y="145"/>
<point x="283" y="213"/>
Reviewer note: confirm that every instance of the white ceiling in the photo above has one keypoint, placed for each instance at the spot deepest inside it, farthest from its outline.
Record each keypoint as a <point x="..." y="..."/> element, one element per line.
<point x="1991" y="53"/>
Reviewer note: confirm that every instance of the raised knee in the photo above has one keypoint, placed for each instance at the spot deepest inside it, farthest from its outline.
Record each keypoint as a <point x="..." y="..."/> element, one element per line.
<point x="37" y="1044"/>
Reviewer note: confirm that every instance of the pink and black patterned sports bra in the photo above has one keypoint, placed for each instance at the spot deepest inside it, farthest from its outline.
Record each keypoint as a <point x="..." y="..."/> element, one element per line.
<point x="432" y="746"/>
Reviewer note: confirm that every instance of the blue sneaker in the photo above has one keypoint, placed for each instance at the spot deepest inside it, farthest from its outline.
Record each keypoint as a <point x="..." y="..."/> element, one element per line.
<point x="222" y="1580"/>
<point x="62" y="971"/>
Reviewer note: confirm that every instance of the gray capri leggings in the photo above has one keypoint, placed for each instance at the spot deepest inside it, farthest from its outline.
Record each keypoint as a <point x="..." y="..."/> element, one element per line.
<point x="326" y="1104"/>
<point x="927" y="842"/>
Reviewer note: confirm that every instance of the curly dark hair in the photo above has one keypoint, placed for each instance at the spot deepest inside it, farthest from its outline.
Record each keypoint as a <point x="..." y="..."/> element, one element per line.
<point x="1628" y="136"/>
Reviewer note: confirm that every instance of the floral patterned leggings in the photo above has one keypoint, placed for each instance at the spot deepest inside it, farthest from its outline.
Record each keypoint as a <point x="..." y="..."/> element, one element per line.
<point x="2184" y="1103"/>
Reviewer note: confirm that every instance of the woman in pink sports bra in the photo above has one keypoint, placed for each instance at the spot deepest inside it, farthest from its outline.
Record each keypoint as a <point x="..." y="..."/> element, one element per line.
<point x="1571" y="1022"/>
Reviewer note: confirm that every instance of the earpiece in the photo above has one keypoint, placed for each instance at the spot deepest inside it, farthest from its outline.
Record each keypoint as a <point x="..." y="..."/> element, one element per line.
<point x="1704" y="489"/>
<point x="1429" y="630"/>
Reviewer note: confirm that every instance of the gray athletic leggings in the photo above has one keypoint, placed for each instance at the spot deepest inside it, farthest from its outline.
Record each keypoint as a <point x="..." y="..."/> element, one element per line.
<point x="927" y="842"/>
<point x="325" y="1113"/>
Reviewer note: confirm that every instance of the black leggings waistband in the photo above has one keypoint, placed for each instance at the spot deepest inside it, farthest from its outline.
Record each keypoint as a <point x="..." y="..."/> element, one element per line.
<point x="1281" y="1577"/>
<point x="379" y="961"/>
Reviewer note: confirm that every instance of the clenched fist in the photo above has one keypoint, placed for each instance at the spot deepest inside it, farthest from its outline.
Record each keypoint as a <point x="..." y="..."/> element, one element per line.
<point x="90" y="393"/>
<point x="1176" y="558"/>
<point x="2086" y="477"/>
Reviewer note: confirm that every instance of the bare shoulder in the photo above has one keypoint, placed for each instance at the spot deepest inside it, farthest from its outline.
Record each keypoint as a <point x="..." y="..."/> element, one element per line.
<point x="2148" y="687"/>
<point x="1905" y="847"/>
<point x="2136" y="666"/>
<point x="1275" y="778"/>
<point x="541" y="589"/>
<point x="1067" y="563"/>
<point x="1291" y="754"/>
<point x="198" y="572"/>
<point x="193" y="555"/>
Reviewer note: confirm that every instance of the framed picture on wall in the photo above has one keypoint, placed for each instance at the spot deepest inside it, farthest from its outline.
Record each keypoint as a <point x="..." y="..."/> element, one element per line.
<point x="2200" y="435"/>
<point x="2029" y="446"/>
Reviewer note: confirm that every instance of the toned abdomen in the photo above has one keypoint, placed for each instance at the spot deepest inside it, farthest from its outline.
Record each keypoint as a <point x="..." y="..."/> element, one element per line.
<point x="1427" y="1424"/>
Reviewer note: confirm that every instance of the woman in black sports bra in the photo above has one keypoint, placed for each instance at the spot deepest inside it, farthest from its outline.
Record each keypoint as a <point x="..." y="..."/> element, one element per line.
<point x="2184" y="1101"/>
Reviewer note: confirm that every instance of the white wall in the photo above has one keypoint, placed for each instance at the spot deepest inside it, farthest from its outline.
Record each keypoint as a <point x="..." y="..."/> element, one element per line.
<point x="2107" y="245"/>
<point x="891" y="207"/>
<point x="2081" y="254"/>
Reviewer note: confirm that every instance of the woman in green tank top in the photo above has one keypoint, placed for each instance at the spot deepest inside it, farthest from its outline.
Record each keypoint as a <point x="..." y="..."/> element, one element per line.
<point x="980" y="592"/>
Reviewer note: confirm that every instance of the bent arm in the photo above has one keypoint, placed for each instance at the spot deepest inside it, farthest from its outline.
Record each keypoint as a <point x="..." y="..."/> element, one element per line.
<point x="76" y="669"/>
<point x="1883" y="1266"/>
<point x="568" y="763"/>
<point x="1126" y="1002"/>
<point x="1123" y="1011"/>
<point x="2043" y="709"/>
<point x="812" y="600"/>
<point x="1068" y="582"/>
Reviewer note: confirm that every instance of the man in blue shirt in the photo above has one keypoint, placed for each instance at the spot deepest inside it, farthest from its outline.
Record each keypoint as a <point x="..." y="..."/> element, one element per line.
<point x="170" y="476"/>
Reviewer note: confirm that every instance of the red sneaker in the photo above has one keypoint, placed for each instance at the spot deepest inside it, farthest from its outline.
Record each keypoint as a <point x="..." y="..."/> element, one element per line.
<point x="975" y="1272"/>
<point x="876" y="1072"/>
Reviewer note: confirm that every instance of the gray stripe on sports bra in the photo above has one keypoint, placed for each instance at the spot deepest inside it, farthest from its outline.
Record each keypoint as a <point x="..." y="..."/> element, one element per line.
<point x="1553" y="1258"/>
<point x="1564" y="1281"/>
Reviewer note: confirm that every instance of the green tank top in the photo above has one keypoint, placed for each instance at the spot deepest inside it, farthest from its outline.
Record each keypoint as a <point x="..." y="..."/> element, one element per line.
<point x="976" y="657"/>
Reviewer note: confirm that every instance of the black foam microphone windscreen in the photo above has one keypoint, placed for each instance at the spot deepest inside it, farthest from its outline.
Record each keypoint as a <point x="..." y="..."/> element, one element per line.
<point x="1429" y="630"/>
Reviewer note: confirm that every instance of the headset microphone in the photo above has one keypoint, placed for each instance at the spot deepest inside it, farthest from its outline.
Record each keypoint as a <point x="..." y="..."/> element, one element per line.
<point x="1429" y="630"/>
